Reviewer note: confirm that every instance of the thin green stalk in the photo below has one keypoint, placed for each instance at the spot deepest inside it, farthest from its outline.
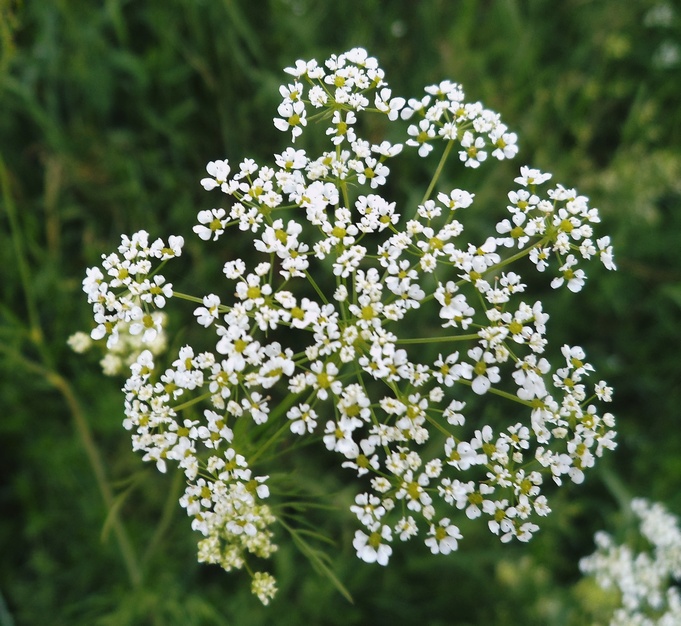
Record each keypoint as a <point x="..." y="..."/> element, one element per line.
<point x="316" y="560"/>
<point x="417" y="340"/>
<point x="169" y="510"/>
<point x="124" y="543"/>
<point x="35" y="328"/>
<point x="93" y="455"/>
<point x="268" y="443"/>
<point x="192" y="402"/>
<point x="313" y="282"/>
<point x="518" y="255"/>
<point x="510" y="396"/>
<point x="512" y="259"/>
<point x="184" y="296"/>
<point x="499" y="392"/>
<point x="438" y="171"/>
<point x="440" y="427"/>
<point x="619" y="490"/>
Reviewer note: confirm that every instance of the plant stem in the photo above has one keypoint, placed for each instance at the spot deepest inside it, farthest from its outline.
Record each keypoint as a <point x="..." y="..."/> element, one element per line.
<point x="268" y="443"/>
<point x="35" y="328"/>
<point x="316" y="287"/>
<point x="95" y="459"/>
<point x="184" y="296"/>
<point x="417" y="340"/>
<point x="169" y="509"/>
<point x="438" y="171"/>
<point x="93" y="455"/>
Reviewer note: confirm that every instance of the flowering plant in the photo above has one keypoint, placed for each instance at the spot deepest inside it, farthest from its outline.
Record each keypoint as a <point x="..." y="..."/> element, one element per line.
<point x="645" y="575"/>
<point x="325" y="331"/>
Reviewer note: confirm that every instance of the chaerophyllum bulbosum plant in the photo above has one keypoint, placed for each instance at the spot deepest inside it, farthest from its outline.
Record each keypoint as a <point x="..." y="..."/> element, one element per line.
<point x="364" y="326"/>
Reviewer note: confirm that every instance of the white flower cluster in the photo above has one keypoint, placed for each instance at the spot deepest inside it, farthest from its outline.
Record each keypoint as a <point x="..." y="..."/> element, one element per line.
<point x="647" y="578"/>
<point x="120" y="354"/>
<point x="127" y="293"/>
<point x="369" y="328"/>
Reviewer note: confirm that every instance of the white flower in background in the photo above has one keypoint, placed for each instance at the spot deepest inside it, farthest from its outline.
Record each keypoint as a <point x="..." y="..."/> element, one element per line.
<point x="646" y="575"/>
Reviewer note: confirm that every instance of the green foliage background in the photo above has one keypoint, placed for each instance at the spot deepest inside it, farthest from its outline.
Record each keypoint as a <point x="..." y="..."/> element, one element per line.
<point x="109" y="111"/>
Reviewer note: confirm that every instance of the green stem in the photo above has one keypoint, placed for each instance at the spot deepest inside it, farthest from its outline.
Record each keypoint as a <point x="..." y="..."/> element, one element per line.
<point x="417" y="340"/>
<point x="268" y="443"/>
<point x="193" y="401"/>
<point x="439" y="426"/>
<point x="316" y="287"/>
<point x="509" y="396"/>
<point x="618" y="489"/>
<point x="169" y="509"/>
<point x="184" y="296"/>
<point x="438" y="171"/>
<point x="94" y="458"/>
<point x="275" y="415"/>
<point x="316" y="560"/>
<point x="499" y="392"/>
<point x="35" y="328"/>
<point x="518" y="255"/>
<point x="512" y="259"/>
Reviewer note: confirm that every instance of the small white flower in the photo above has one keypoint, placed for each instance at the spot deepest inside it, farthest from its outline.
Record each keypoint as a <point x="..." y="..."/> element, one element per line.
<point x="211" y="224"/>
<point x="293" y="117"/>
<point x="374" y="547"/>
<point x="530" y="177"/>
<point x="422" y="134"/>
<point x="573" y="278"/>
<point x="219" y="171"/>
<point x="473" y="154"/>
<point x="443" y="538"/>
<point x="304" y="419"/>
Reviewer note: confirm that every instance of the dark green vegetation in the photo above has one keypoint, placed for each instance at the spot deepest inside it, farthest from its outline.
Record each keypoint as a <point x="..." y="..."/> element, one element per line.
<point x="109" y="111"/>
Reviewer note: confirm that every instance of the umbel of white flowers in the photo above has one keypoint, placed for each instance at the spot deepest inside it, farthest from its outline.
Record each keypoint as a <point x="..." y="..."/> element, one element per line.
<point x="365" y="325"/>
<point x="646" y="578"/>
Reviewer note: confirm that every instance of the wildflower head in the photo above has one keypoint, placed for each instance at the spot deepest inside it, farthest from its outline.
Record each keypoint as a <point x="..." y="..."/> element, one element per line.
<point x="366" y="325"/>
